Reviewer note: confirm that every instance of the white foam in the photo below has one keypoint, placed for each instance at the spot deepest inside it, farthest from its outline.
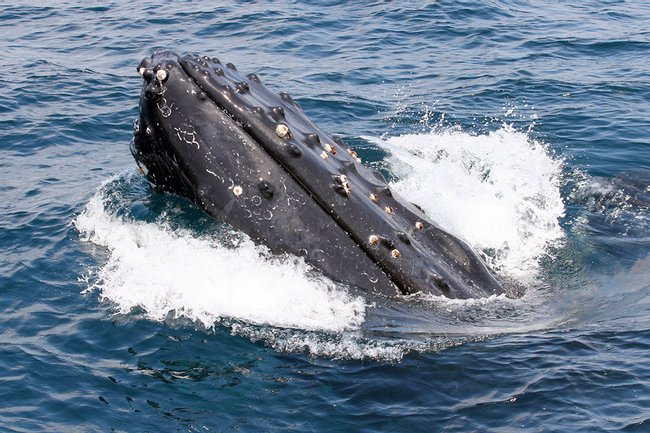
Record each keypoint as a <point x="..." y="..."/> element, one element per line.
<point x="344" y="345"/>
<point x="500" y="192"/>
<point x="171" y="272"/>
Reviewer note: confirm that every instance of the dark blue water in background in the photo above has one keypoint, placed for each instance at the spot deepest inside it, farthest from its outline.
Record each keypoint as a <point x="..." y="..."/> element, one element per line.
<point x="108" y="322"/>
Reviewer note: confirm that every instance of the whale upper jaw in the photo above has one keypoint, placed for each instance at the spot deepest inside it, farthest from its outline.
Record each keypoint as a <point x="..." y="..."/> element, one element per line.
<point x="251" y="157"/>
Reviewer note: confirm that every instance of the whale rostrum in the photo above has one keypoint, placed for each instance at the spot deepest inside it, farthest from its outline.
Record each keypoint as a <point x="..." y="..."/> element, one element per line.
<point x="251" y="157"/>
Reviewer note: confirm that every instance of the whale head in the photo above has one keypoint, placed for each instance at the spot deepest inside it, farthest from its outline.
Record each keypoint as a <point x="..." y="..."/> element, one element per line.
<point x="251" y="157"/>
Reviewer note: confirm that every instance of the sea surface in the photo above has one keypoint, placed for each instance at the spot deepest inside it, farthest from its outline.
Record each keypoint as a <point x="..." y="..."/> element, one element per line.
<point x="523" y="127"/>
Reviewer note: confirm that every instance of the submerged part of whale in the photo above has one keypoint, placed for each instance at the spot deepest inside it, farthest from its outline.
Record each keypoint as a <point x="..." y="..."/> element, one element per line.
<point x="250" y="157"/>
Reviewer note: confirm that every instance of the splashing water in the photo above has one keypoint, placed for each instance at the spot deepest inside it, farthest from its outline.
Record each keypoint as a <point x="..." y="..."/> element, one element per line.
<point x="172" y="272"/>
<point x="500" y="192"/>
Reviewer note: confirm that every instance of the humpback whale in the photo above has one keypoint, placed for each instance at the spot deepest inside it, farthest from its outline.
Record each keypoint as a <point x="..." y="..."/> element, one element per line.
<point x="251" y="157"/>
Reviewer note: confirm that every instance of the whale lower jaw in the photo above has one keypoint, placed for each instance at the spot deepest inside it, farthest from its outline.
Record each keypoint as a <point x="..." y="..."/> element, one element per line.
<point x="251" y="157"/>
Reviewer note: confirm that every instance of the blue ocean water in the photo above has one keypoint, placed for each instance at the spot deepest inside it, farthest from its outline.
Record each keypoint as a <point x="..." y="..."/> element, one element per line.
<point x="522" y="127"/>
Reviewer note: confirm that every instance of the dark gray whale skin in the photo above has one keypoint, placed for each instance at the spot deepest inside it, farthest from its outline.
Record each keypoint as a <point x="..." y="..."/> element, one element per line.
<point x="250" y="157"/>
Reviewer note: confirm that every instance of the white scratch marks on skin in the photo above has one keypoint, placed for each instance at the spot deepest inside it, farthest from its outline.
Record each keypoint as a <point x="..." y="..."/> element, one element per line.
<point x="187" y="137"/>
<point x="215" y="175"/>
<point x="165" y="110"/>
<point x="286" y="193"/>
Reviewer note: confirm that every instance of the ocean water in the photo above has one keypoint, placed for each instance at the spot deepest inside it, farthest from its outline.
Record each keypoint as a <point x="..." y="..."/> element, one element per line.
<point x="522" y="127"/>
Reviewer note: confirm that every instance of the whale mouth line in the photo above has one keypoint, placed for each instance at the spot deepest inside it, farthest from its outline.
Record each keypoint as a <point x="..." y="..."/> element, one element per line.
<point x="261" y="145"/>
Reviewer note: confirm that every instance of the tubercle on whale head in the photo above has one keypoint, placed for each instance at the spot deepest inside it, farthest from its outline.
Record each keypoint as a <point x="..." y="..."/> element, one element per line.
<point x="358" y="200"/>
<point x="154" y="76"/>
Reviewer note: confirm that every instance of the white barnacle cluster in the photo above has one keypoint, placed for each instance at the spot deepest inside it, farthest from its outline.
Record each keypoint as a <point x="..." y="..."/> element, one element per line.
<point x="345" y="184"/>
<point x="374" y="240"/>
<point x="342" y="184"/>
<point x="354" y="155"/>
<point x="282" y="131"/>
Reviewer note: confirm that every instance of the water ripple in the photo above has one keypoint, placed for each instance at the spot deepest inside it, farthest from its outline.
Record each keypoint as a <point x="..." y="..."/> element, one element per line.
<point x="570" y="356"/>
